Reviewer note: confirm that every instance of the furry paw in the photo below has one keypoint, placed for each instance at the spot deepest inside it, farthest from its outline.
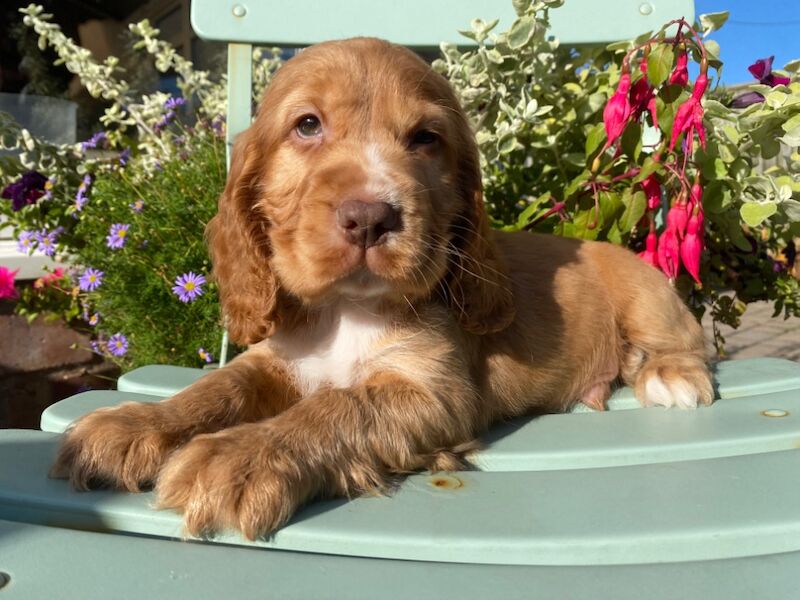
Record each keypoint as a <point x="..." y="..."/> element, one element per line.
<point x="683" y="382"/>
<point x="240" y="478"/>
<point x="121" y="447"/>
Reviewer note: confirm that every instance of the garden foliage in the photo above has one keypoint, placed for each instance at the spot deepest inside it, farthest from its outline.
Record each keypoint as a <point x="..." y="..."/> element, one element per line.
<point x="616" y="143"/>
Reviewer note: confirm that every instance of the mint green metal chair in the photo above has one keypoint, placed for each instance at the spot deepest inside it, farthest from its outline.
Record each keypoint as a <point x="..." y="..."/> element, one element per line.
<point x="628" y="503"/>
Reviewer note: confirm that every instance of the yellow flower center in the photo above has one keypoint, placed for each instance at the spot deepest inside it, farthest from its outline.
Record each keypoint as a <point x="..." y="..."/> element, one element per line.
<point x="122" y="233"/>
<point x="188" y="286"/>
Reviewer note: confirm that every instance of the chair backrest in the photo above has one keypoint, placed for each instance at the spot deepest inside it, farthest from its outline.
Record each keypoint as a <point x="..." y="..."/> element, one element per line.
<point x="421" y="24"/>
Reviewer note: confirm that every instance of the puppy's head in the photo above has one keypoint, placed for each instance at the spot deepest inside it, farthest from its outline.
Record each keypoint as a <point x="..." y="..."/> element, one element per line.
<point x="360" y="179"/>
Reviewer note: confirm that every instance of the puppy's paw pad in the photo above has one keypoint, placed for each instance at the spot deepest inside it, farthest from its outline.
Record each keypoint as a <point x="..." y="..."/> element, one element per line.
<point x="674" y="391"/>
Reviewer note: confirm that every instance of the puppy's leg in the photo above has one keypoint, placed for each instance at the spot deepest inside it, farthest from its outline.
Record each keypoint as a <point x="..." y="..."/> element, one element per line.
<point x="125" y="446"/>
<point x="665" y="359"/>
<point x="336" y="442"/>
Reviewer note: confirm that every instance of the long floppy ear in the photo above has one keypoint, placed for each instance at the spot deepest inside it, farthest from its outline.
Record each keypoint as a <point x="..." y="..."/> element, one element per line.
<point x="480" y="289"/>
<point x="240" y="249"/>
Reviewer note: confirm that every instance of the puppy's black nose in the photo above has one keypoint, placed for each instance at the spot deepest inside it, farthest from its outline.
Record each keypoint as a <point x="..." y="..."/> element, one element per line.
<point x="367" y="224"/>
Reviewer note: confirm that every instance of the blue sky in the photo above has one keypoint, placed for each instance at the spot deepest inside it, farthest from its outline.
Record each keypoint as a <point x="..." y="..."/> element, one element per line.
<point x="755" y="29"/>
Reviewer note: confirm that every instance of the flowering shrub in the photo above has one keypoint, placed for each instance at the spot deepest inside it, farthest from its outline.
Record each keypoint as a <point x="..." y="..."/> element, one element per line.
<point x="618" y="144"/>
<point x="613" y="143"/>
<point x="126" y="208"/>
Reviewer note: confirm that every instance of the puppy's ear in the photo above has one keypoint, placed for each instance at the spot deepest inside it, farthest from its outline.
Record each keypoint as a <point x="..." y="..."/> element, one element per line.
<point x="479" y="288"/>
<point x="240" y="248"/>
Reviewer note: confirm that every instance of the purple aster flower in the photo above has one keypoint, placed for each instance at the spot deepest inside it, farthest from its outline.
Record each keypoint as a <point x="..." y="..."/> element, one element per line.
<point x="82" y="197"/>
<point x="204" y="355"/>
<point x="97" y="139"/>
<point x="25" y="241"/>
<point x="47" y="241"/>
<point x="124" y="157"/>
<point x="90" y="280"/>
<point x="48" y="188"/>
<point x="27" y="190"/>
<point x="173" y="103"/>
<point x="94" y="319"/>
<point x="118" y="344"/>
<point x="137" y="205"/>
<point x="96" y="346"/>
<point x="116" y="235"/>
<point x="188" y="287"/>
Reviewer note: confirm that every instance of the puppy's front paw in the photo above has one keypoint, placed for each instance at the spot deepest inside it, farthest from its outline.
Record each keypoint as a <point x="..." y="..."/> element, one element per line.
<point x="120" y="447"/>
<point x="240" y="478"/>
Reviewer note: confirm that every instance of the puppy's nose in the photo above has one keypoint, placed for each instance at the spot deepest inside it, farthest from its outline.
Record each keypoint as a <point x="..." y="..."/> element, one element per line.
<point x="367" y="224"/>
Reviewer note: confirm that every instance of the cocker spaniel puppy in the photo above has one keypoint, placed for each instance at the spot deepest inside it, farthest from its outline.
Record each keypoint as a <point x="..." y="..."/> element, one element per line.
<point x="388" y="326"/>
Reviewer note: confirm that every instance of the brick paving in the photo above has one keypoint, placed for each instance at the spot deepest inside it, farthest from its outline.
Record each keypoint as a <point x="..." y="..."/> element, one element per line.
<point x="761" y="335"/>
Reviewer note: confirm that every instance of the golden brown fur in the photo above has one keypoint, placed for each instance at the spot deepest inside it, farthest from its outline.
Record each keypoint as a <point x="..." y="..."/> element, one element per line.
<point x="367" y="363"/>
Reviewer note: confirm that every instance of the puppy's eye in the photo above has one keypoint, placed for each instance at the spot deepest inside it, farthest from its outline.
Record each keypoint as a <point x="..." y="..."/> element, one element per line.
<point x="424" y="137"/>
<point x="308" y="127"/>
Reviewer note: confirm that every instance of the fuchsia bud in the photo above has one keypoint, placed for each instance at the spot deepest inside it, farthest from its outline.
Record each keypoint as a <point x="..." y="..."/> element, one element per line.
<point x="689" y="118"/>
<point x="617" y="111"/>
<point x="678" y="217"/>
<point x="669" y="253"/>
<point x="652" y="190"/>
<point x="696" y="196"/>
<point x="680" y="74"/>
<point x="692" y="246"/>
<point x="650" y="252"/>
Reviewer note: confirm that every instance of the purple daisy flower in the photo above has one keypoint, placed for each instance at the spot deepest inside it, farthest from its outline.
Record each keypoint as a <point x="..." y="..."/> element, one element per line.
<point x="118" y="344"/>
<point x="188" y="287"/>
<point x="25" y="241"/>
<point x="124" y="157"/>
<point x="47" y="241"/>
<point x="173" y="103"/>
<point x="82" y="197"/>
<point x="205" y="355"/>
<point x="97" y="139"/>
<point x="27" y="190"/>
<point x="94" y="319"/>
<point x="90" y="280"/>
<point x="48" y="188"/>
<point x="116" y="235"/>
<point x="96" y="346"/>
<point x="137" y="205"/>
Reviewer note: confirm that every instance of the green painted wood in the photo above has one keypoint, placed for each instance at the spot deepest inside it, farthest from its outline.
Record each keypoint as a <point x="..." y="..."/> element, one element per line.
<point x="304" y="22"/>
<point x="82" y="565"/>
<point x="670" y="512"/>
<point x="576" y="441"/>
<point x="159" y="380"/>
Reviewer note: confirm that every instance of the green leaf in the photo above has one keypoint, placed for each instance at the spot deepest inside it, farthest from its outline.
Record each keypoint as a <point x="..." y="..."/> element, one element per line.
<point x="648" y="168"/>
<point x="713" y="21"/>
<point x="755" y="213"/>
<point x="595" y="137"/>
<point x="521" y="32"/>
<point x="659" y="63"/>
<point x="635" y="207"/>
<point x="792" y="137"/>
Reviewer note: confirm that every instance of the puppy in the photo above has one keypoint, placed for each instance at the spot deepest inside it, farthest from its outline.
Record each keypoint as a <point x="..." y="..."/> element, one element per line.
<point x="388" y="326"/>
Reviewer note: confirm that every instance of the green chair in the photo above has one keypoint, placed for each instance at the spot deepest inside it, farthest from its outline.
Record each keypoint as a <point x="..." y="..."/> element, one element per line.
<point x="628" y="503"/>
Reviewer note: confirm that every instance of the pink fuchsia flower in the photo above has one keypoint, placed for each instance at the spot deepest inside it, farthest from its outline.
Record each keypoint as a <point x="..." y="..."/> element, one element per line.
<point x="652" y="189"/>
<point x="643" y="97"/>
<point x="90" y="280"/>
<point x="617" y="111"/>
<point x="7" y="289"/>
<point x="25" y="191"/>
<point x="188" y="287"/>
<point x="669" y="249"/>
<point x="678" y="215"/>
<point x="205" y="355"/>
<point x="692" y="246"/>
<point x="650" y="252"/>
<point x="680" y="74"/>
<point x="117" y="235"/>
<point x="689" y="118"/>
<point x="696" y="196"/>
<point x="117" y="344"/>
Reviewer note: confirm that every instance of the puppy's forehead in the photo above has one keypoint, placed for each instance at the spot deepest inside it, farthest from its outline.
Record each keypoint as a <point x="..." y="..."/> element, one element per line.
<point x="360" y="76"/>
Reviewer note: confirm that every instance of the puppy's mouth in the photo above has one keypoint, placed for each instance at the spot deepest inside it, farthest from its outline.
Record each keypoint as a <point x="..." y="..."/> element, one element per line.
<point x="362" y="284"/>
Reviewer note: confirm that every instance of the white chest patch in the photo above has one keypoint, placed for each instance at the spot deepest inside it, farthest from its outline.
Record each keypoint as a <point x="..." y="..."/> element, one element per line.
<point x="334" y="351"/>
